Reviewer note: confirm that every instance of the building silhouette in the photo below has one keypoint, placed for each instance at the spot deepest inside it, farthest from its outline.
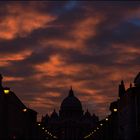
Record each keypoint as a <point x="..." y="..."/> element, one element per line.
<point x="129" y="110"/>
<point x="16" y="120"/>
<point x="124" y="121"/>
<point x="71" y="123"/>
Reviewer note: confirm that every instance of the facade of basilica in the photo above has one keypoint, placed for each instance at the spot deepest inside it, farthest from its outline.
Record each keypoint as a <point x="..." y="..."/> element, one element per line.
<point x="71" y="123"/>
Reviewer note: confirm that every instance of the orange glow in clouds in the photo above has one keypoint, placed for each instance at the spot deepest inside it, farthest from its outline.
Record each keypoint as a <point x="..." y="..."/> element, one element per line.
<point x="86" y="28"/>
<point x="95" y="80"/>
<point x="55" y="66"/>
<point x="20" y="23"/>
<point x="15" y="56"/>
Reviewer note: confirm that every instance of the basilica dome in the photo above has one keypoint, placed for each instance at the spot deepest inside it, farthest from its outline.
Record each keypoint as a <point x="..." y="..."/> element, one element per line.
<point x="71" y="102"/>
<point x="70" y="107"/>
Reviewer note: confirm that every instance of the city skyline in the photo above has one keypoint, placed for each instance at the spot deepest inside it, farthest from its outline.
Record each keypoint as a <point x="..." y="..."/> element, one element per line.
<point x="46" y="47"/>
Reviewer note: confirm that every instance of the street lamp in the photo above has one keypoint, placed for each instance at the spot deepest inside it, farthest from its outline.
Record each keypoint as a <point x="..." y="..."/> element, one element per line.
<point x="24" y="110"/>
<point x="106" y="119"/>
<point x="6" y="90"/>
<point x="115" y="110"/>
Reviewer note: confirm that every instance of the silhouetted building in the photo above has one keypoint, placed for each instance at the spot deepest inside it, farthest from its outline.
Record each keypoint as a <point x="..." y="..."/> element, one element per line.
<point x="16" y="120"/>
<point x="129" y="111"/>
<point x="113" y="121"/>
<point x="107" y="129"/>
<point x="19" y="122"/>
<point x="71" y="123"/>
<point x="124" y="121"/>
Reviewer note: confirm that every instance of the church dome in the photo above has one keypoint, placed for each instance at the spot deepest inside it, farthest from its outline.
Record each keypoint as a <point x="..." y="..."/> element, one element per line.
<point x="54" y="114"/>
<point x="71" y="102"/>
<point x="71" y="107"/>
<point x="87" y="114"/>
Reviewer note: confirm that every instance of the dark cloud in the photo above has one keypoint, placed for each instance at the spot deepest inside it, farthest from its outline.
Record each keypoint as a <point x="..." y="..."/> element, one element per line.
<point x="53" y="45"/>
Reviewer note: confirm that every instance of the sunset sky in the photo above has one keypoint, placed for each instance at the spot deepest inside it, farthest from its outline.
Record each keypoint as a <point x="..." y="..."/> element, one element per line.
<point x="46" y="47"/>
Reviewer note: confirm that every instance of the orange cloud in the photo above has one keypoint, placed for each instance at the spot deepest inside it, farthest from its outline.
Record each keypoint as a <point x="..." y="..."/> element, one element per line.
<point x="52" y="94"/>
<point x="57" y="65"/>
<point x="85" y="28"/>
<point x="44" y="101"/>
<point x="15" y="57"/>
<point x="8" y="78"/>
<point x="65" y="43"/>
<point x="95" y="83"/>
<point x="78" y="34"/>
<point x="130" y="49"/>
<point x="21" y="23"/>
<point x="7" y="58"/>
<point x="41" y="102"/>
<point x="4" y="63"/>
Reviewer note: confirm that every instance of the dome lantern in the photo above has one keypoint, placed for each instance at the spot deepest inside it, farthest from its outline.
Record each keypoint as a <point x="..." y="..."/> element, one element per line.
<point x="71" y="92"/>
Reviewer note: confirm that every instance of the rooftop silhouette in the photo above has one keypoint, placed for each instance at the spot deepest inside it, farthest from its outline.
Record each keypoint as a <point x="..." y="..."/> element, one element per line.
<point x="71" y="123"/>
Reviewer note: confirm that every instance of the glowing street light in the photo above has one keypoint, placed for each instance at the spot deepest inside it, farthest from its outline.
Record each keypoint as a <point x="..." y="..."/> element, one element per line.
<point x="7" y="90"/>
<point x="115" y="110"/>
<point x="106" y="119"/>
<point x="24" y="110"/>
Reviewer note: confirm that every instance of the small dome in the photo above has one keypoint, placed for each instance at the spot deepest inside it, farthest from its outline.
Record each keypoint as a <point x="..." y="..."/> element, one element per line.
<point x="71" y="102"/>
<point x="54" y="114"/>
<point x="87" y="114"/>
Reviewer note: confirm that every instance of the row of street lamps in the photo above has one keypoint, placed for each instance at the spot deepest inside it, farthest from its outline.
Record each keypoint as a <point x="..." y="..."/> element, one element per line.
<point x="47" y="132"/>
<point x="97" y="128"/>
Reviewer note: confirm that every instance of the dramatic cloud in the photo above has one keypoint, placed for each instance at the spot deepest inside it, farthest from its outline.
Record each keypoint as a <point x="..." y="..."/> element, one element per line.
<point x="20" y="23"/>
<point x="45" y="47"/>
